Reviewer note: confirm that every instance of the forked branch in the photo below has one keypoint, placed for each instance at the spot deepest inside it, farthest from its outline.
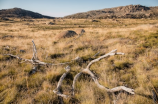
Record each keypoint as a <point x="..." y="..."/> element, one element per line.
<point x="34" y="59"/>
<point x="87" y="70"/>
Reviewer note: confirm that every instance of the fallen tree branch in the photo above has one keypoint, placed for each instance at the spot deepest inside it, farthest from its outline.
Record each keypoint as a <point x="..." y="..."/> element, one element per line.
<point x="34" y="57"/>
<point x="21" y="59"/>
<point x="87" y="70"/>
<point x="34" y="61"/>
<point x="57" y="90"/>
<point x="113" y="52"/>
<point x="74" y="81"/>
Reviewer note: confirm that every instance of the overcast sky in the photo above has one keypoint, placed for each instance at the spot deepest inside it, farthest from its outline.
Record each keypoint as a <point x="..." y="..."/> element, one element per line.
<point x="60" y="8"/>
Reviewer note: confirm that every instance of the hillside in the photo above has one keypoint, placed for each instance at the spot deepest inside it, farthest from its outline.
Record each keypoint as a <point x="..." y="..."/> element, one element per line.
<point x="130" y="11"/>
<point x="21" y="13"/>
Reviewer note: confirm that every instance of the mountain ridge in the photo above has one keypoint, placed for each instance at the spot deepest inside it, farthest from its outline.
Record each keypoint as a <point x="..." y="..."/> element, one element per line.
<point x="21" y="13"/>
<point x="129" y="11"/>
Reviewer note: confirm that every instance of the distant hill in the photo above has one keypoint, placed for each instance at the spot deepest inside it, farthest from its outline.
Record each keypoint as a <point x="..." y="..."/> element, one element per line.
<point x="21" y="13"/>
<point x="129" y="11"/>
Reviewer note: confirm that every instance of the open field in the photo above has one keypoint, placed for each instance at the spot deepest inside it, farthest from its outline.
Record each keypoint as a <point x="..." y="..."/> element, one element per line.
<point x="137" y="69"/>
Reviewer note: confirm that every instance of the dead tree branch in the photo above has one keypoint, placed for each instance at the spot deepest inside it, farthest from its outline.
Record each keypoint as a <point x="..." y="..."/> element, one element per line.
<point x="87" y="70"/>
<point x="34" y="61"/>
<point x="34" y="57"/>
<point x="57" y="90"/>
<point x="74" y="81"/>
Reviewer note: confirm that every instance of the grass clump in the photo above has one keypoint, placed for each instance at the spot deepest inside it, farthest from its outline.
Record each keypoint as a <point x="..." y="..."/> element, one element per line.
<point x="43" y="97"/>
<point x="123" y="65"/>
<point x="151" y="40"/>
<point x="8" y="95"/>
<point x="35" y="80"/>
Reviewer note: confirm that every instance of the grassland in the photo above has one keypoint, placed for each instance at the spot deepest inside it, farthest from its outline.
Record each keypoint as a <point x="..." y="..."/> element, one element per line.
<point x="137" y="69"/>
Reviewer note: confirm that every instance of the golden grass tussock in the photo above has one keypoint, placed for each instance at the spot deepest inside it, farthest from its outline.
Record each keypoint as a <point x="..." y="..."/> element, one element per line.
<point x="137" y="69"/>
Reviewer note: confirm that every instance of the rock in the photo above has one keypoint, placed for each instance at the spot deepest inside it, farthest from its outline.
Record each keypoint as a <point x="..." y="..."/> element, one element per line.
<point x="95" y="21"/>
<point x="22" y="51"/>
<point x="66" y="34"/>
<point x="4" y="18"/>
<point x="80" y="31"/>
<point x="50" y="23"/>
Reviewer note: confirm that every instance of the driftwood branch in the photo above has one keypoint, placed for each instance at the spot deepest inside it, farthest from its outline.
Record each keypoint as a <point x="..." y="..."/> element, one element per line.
<point x="34" y="62"/>
<point x="74" y="81"/>
<point x="34" y="57"/>
<point x="19" y="58"/>
<point x="57" y="90"/>
<point x="113" y="52"/>
<point x="87" y="70"/>
<point x="38" y="62"/>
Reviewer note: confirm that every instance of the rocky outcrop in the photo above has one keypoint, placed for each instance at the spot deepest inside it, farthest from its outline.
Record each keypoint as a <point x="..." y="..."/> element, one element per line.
<point x="130" y="11"/>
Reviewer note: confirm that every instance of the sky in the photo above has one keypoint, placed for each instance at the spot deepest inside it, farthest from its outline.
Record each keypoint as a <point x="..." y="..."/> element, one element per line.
<point x="60" y="8"/>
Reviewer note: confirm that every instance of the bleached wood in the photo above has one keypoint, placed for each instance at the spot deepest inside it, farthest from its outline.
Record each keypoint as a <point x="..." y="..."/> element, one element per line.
<point x="57" y="90"/>
<point x="34" y="57"/>
<point x="36" y="62"/>
<point x="74" y="81"/>
<point x="87" y="70"/>
<point x="113" y="52"/>
<point x="21" y="59"/>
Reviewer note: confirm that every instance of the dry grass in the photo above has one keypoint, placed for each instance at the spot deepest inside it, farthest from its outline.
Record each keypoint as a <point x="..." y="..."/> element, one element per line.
<point x="136" y="69"/>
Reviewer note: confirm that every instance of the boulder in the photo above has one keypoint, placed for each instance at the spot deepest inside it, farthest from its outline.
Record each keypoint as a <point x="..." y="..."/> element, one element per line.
<point x="66" y="34"/>
<point x="50" y="23"/>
